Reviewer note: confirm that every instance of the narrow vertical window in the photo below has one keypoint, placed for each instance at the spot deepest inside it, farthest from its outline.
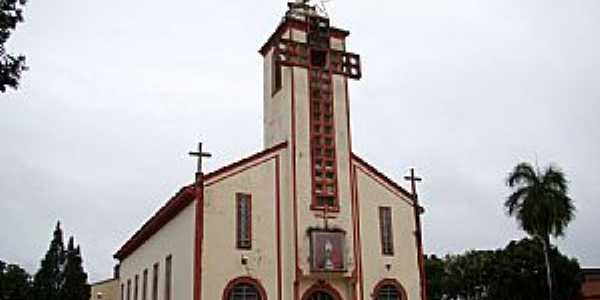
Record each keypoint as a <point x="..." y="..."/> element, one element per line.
<point x="276" y="74"/>
<point x="122" y="291"/>
<point x="155" y="282"/>
<point x="244" y="221"/>
<point x="145" y="285"/>
<point x="385" y="228"/>
<point x="136" y="285"/>
<point x="128" y="289"/>
<point x="168" y="277"/>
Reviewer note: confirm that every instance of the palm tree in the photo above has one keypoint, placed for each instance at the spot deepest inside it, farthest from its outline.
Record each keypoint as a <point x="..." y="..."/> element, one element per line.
<point x="541" y="205"/>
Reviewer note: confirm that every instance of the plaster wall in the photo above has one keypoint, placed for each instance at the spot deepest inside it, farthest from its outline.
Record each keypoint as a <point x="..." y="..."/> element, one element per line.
<point x="105" y="290"/>
<point x="222" y="261"/>
<point x="176" y="238"/>
<point x="404" y="268"/>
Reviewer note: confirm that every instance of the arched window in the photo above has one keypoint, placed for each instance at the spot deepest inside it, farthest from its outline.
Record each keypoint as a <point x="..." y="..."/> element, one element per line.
<point x="389" y="289"/>
<point x="244" y="288"/>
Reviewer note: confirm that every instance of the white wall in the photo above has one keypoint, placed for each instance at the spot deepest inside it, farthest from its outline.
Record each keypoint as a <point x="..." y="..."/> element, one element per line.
<point x="404" y="264"/>
<point x="221" y="259"/>
<point x="176" y="238"/>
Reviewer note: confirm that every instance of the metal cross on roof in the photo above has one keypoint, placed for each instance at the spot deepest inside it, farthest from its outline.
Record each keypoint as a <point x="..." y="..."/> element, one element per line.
<point x="200" y="155"/>
<point x="413" y="182"/>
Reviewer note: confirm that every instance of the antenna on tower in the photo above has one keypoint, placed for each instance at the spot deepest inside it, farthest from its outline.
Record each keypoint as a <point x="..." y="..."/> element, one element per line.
<point x="304" y="7"/>
<point x="321" y="8"/>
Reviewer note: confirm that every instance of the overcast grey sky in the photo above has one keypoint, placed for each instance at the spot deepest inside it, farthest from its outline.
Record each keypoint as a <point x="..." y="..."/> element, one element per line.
<point x="119" y="91"/>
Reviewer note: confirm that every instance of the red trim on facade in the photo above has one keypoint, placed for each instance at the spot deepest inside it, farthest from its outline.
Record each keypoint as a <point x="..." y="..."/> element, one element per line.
<point x="420" y="255"/>
<point x="244" y="280"/>
<point x="180" y="201"/>
<point x="278" y="225"/>
<point x="389" y="281"/>
<point x="379" y="175"/>
<point x="289" y="23"/>
<point x="213" y="175"/>
<point x="351" y="175"/>
<point x="238" y="199"/>
<point x="298" y="271"/>
<point x="170" y="210"/>
<point x="199" y="238"/>
<point x="322" y="286"/>
<point x="359" y="242"/>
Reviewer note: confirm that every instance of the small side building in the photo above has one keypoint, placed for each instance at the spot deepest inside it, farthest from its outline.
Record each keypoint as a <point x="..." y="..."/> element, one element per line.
<point x="590" y="284"/>
<point x="105" y="290"/>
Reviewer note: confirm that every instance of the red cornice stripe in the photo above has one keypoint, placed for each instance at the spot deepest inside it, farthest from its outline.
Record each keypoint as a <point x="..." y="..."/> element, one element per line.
<point x="212" y="175"/>
<point x="381" y="176"/>
<point x="180" y="201"/>
<point x="157" y="221"/>
<point x="296" y="24"/>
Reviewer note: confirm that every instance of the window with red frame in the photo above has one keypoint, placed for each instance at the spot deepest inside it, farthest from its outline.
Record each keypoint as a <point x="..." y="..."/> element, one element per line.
<point x="385" y="228"/>
<point x="243" y="221"/>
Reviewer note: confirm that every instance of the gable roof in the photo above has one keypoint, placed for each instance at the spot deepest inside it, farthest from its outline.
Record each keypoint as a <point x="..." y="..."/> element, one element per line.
<point x="383" y="177"/>
<point x="180" y="201"/>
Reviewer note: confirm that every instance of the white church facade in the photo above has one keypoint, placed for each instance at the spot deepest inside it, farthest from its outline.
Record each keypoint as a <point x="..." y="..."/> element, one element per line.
<point x="304" y="219"/>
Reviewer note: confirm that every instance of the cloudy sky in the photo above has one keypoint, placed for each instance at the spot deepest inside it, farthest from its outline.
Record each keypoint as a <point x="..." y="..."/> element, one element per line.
<point x="119" y="91"/>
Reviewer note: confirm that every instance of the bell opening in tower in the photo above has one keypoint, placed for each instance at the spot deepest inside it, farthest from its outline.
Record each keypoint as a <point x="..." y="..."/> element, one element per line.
<point x="318" y="58"/>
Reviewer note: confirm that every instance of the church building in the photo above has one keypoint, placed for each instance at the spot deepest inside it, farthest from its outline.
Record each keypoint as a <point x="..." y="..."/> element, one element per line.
<point x="305" y="218"/>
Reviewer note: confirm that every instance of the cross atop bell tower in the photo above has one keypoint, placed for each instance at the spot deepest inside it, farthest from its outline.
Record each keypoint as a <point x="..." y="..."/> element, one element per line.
<point x="306" y="72"/>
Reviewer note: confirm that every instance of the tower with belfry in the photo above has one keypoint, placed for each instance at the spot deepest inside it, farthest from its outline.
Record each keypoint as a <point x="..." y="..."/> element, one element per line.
<point x="303" y="219"/>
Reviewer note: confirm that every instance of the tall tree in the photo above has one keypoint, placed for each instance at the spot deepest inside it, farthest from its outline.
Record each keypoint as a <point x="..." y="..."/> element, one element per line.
<point x="75" y="285"/>
<point x="48" y="279"/>
<point x="15" y="283"/>
<point x="11" y="67"/>
<point x="541" y="206"/>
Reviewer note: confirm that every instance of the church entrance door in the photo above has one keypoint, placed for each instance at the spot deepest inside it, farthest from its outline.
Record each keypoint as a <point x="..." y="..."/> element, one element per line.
<point x="320" y="295"/>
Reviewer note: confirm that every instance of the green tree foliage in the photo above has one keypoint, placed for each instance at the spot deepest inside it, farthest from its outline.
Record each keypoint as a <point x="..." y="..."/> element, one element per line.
<point x="470" y="274"/>
<point x="516" y="272"/>
<point x="15" y="283"/>
<point x="48" y="279"/>
<point x="75" y="285"/>
<point x="11" y="67"/>
<point x="435" y="270"/>
<point x="520" y="272"/>
<point x="541" y="206"/>
<point x="61" y="275"/>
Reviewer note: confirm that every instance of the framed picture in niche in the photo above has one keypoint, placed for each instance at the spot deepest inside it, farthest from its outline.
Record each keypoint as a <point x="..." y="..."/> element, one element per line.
<point x="327" y="251"/>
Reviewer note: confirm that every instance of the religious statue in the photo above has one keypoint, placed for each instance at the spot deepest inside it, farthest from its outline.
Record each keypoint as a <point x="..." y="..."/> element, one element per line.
<point x="328" y="249"/>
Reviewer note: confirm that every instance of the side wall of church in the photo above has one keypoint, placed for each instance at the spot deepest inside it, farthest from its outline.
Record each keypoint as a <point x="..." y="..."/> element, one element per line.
<point x="403" y="264"/>
<point x="222" y="260"/>
<point x="176" y="239"/>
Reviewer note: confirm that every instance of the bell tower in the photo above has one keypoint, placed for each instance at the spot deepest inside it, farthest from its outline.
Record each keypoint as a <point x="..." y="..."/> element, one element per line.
<point x="306" y="72"/>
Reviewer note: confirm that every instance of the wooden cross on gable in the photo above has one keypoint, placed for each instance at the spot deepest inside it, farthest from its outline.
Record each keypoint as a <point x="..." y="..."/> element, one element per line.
<point x="200" y="155"/>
